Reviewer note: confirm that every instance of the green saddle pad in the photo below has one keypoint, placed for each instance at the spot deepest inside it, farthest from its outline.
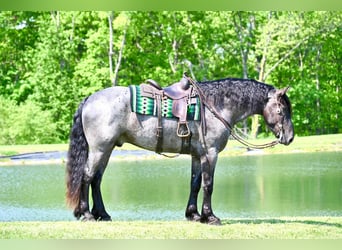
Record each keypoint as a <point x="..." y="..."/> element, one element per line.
<point x="147" y="106"/>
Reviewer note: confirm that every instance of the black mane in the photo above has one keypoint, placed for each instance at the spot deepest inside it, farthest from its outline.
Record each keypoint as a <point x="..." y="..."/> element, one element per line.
<point x="239" y="91"/>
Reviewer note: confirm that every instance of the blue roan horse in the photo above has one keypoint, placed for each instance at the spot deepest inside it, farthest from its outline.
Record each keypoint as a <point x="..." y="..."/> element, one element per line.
<point x="105" y="120"/>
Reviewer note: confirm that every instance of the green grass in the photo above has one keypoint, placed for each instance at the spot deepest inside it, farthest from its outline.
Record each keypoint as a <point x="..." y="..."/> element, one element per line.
<point x="278" y="228"/>
<point x="22" y="149"/>
<point x="306" y="144"/>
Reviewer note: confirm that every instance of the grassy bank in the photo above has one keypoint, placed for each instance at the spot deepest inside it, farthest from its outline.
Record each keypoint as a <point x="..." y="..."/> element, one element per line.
<point x="301" y="144"/>
<point x="278" y="228"/>
<point x="322" y="143"/>
<point x="318" y="143"/>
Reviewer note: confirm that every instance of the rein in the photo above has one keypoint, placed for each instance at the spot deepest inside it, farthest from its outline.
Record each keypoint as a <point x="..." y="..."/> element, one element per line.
<point x="212" y="109"/>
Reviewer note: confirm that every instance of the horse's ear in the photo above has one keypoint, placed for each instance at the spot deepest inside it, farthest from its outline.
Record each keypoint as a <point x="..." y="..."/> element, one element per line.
<point x="281" y="92"/>
<point x="276" y="93"/>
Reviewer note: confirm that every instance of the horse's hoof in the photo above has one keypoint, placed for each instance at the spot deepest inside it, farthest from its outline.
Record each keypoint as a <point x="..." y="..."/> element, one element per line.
<point x="211" y="220"/>
<point x="105" y="218"/>
<point x="101" y="216"/>
<point x="215" y="222"/>
<point x="77" y="214"/>
<point x="88" y="217"/>
<point x="194" y="217"/>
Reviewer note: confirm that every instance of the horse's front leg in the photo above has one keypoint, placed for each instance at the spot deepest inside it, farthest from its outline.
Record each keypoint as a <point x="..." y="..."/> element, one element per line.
<point x="191" y="212"/>
<point x="208" y="163"/>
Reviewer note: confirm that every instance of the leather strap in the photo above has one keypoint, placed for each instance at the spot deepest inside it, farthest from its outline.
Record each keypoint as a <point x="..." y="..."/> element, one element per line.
<point x="159" y="147"/>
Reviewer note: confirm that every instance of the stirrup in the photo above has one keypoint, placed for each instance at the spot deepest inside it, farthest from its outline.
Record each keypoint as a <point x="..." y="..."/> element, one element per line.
<point x="187" y="129"/>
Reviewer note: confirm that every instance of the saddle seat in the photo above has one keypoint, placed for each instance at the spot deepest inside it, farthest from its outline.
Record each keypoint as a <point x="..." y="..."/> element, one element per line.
<point x="178" y="90"/>
<point x="175" y="91"/>
<point x="181" y="93"/>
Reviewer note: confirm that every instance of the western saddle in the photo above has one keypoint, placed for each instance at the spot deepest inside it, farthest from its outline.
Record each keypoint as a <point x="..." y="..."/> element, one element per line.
<point x="182" y="94"/>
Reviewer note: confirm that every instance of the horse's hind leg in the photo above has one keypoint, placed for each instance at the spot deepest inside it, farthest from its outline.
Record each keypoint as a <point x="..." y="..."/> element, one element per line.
<point x="98" y="210"/>
<point x="83" y="207"/>
<point x="99" y="161"/>
<point x="96" y="164"/>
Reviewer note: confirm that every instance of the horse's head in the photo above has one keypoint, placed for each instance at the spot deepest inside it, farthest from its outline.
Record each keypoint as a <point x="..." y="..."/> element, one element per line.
<point x="277" y="114"/>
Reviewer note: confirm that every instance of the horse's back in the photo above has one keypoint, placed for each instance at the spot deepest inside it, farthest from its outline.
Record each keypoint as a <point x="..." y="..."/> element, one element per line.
<point x="107" y="94"/>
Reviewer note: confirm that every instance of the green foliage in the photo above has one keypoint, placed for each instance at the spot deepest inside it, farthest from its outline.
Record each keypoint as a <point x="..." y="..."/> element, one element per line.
<point x="54" y="59"/>
<point x="25" y="123"/>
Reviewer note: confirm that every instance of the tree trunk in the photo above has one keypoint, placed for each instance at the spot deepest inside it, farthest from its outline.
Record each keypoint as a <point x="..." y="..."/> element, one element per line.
<point x="318" y="103"/>
<point x="118" y="62"/>
<point x="244" y="34"/>
<point x="114" y="72"/>
<point x="111" y="53"/>
<point x="261" y="78"/>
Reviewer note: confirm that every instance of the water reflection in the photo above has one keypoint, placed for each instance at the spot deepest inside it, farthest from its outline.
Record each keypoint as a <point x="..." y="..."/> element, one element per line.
<point x="280" y="185"/>
<point x="248" y="186"/>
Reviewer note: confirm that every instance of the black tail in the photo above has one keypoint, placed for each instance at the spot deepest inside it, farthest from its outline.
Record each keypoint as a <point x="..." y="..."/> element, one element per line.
<point x="77" y="158"/>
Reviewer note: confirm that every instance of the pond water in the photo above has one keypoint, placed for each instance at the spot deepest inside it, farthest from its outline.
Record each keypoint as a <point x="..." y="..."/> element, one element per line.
<point x="245" y="186"/>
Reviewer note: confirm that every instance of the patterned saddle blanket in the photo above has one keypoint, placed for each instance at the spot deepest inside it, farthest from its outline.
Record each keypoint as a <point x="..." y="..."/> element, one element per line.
<point x="147" y="106"/>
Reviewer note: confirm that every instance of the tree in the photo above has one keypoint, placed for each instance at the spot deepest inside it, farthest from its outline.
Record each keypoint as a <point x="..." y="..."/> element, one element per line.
<point x="18" y="32"/>
<point x="52" y="60"/>
<point x="280" y="35"/>
<point x="314" y="73"/>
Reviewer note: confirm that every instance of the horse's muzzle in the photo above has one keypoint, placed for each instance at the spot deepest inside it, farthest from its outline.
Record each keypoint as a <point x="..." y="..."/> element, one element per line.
<point x="285" y="134"/>
<point x="285" y="138"/>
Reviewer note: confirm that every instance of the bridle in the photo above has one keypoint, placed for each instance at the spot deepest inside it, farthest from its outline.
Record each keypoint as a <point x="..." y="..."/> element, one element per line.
<point x="280" y="124"/>
<point x="237" y="137"/>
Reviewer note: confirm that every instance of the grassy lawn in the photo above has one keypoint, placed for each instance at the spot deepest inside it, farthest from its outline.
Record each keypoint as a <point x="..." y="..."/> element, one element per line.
<point x="278" y="228"/>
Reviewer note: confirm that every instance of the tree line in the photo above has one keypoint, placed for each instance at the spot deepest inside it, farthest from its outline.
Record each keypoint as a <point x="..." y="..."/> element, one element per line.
<point x="50" y="61"/>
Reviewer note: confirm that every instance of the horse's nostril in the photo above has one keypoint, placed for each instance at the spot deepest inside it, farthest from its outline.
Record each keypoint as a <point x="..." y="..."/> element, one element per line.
<point x="291" y="140"/>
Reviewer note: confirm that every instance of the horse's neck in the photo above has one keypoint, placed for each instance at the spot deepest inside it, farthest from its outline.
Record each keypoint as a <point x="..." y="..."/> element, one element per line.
<point x="235" y="111"/>
<point x="237" y="99"/>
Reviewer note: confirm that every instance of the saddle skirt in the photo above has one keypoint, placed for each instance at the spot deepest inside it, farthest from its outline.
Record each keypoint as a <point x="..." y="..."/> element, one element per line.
<point x="144" y="102"/>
